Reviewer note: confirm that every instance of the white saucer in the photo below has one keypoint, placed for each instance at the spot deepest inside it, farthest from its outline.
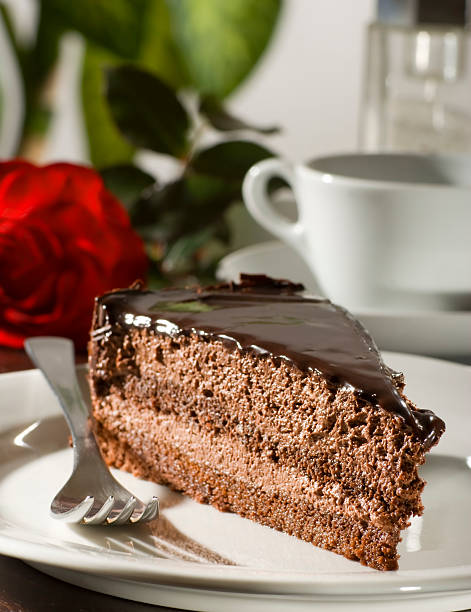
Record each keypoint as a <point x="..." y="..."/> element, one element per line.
<point x="197" y="558"/>
<point x="439" y="333"/>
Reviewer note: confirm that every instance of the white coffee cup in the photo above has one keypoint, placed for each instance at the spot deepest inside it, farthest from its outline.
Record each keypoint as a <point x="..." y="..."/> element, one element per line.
<point x="377" y="230"/>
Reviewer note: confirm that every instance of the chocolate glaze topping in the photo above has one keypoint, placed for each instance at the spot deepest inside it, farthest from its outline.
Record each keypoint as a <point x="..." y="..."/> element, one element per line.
<point x="269" y="317"/>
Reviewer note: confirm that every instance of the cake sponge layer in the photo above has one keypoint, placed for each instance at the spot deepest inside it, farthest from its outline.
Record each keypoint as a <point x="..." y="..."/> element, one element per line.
<point x="255" y="435"/>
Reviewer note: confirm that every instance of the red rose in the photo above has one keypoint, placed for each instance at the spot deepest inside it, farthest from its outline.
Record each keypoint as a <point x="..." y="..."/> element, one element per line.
<point x="63" y="240"/>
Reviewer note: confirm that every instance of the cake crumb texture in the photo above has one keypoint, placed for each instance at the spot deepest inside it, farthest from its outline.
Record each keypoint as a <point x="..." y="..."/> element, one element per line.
<point x="255" y="435"/>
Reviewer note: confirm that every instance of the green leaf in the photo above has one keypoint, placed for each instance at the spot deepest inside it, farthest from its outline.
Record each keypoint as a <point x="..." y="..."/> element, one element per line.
<point x="45" y="52"/>
<point x="220" y="119"/>
<point x="147" y="111"/>
<point x="115" y="25"/>
<point x="229" y="160"/>
<point x="107" y="147"/>
<point x="184" y="255"/>
<point x="184" y="225"/>
<point x="9" y="29"/>
<point x="155" y="202"/>
<point x="221" y="40"/>
<point x="36" y="62"/>
<point x="158" y="51"/>
<point x="184" y="206"/>
<point x="38" y="119"/>
<point x="138" y="30"/>
<point x="199" y="199"/>
<point x="126" y="182"/>
<point x="203" y="190"/>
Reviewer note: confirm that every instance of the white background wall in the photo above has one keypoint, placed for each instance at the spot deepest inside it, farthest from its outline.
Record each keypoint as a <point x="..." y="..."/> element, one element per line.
<point x="309" y="81"/>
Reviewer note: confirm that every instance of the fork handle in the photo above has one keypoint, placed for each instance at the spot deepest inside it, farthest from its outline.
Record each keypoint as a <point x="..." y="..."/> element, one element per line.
<point x="55" y="358"/>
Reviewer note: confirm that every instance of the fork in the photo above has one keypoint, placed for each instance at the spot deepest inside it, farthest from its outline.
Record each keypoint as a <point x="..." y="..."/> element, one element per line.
<point x="91" y="496"/>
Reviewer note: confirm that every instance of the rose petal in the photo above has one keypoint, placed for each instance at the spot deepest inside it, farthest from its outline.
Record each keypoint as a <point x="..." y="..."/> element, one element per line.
<point x="63" y="240"/>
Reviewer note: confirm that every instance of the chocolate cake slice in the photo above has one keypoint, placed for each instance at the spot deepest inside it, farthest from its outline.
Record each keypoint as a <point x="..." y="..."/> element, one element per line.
<point x="259" y="401"/>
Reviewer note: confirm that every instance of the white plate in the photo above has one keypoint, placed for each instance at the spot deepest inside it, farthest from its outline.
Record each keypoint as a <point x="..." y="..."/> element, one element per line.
<point x="439" y="333"/>
<point x="195" y="557"/>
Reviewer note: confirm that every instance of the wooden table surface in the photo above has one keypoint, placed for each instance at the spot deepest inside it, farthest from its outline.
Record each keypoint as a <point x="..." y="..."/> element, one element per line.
<point x="24" y="589"/>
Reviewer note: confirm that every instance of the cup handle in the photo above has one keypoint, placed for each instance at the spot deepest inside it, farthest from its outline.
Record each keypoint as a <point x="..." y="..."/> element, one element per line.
<point x="258" y="203"/>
